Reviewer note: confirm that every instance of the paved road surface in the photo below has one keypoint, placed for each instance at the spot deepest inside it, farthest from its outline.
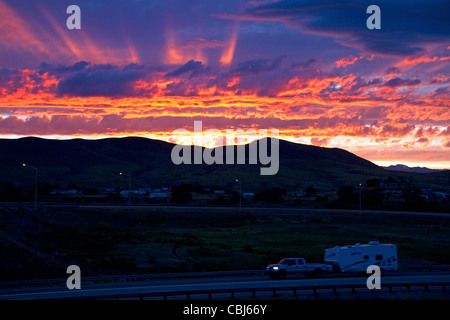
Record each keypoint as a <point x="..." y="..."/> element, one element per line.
<point x="214" y="284"/>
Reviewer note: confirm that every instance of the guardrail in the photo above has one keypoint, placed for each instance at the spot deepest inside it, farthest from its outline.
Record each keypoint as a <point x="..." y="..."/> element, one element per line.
<point x="275" y="291"/>
<point x="136" y="277"/>
<point x="162" y="276"/>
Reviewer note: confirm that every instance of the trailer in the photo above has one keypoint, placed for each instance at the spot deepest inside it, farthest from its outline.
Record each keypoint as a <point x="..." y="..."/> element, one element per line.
<point x="357" y="257"/>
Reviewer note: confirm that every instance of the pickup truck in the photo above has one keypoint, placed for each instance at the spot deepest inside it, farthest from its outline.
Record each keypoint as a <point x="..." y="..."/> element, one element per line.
<point x="296" y="266"/>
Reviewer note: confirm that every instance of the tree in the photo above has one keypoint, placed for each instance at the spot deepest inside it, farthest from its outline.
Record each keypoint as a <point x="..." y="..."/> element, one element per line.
<point x="310" y="191"/>
<point x="348" y="194"/>
<point x="11" y="193"/>
<point x="182" y="193"/>
<point x="372" y="183"/>
<point x="273" y="194"/>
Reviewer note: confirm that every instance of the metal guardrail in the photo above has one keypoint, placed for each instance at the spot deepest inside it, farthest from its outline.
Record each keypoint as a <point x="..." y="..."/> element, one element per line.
<point x="137" y="277"/>
<point x="335" y="289"/>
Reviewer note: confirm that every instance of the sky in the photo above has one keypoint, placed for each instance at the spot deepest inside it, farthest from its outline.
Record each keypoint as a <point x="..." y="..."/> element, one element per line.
<point x="310" y="69"/>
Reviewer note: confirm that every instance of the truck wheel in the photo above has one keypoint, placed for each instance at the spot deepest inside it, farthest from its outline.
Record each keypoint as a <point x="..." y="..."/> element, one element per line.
<point x="282" y="274"/>
<point x="318" y="273"/>
<point x="273" y="276"/>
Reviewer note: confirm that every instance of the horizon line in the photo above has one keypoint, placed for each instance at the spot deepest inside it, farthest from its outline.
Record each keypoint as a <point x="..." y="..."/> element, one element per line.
<point x="380" y="163"/>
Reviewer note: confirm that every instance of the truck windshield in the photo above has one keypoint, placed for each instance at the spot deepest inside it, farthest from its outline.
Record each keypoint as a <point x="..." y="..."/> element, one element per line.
<point x="284" y="261"/>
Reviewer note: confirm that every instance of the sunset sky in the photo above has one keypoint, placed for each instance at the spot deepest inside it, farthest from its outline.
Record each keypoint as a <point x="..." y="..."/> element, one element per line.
<point x="310" y="69"/>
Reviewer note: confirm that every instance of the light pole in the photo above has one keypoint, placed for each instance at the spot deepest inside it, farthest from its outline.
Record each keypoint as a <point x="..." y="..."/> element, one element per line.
<point x="240" y="190"/>
<point x="360" y="206"/>
<point x="129" y="188"/>
<point x="36" y="184"/>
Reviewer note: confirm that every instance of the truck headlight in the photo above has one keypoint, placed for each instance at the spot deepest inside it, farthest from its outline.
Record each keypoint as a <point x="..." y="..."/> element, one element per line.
<point x="275" y="268"/>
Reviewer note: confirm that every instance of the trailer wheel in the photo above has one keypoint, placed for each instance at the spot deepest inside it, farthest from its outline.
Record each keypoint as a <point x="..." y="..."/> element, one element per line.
<point x="318" y="273"/>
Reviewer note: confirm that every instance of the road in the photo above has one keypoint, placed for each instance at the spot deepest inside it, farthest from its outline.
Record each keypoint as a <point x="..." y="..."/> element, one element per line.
<point x="209" y="284"/>
<point x="223" y="208"/>
<point x="270" y="209"/>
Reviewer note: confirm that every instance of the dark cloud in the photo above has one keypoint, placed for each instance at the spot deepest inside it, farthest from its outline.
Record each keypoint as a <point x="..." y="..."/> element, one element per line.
<point x="406" y="26"/>
<point x="53" y="69"/>
<point x="101" y="80"/>
<point x="256" y="67"/>
<point x="398" y="82"/>
<point x="304" y="65"/>
<point x="393" y="131"/>
<point x="392" y="70"/>
<point x="423" y="140"/>
<point x="193" y="67"/>
<point x="441" y="91"/>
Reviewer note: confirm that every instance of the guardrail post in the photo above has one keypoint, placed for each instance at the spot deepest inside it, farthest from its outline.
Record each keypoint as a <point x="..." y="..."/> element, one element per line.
<point x="425" y="285"/>
<point x="315" y="291"/>
<point x="408" y="287"/>
<point x="334" y="290"/>
<point x="253" y="293"/>
<point x="443" y="287"/>
<point x="390" y="287"/>
<point x="274" y="292"/>
<point x="210" y="294"/>
<point x="232" y="293"/>
<point x="294" y="291"/>
<point x="354" y="290"/>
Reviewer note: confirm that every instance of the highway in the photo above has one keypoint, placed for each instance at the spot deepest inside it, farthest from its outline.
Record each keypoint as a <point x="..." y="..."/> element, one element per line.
<point x="222" y="208"/>
<point x="270" y="209"/>
<point x="193" y="285"/>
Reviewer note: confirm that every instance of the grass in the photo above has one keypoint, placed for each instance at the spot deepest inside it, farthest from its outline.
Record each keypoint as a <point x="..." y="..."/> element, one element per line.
<point x="114" y="241"/>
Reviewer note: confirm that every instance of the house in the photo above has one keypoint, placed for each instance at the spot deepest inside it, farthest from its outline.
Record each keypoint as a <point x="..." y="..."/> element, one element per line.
<point x="158" y="195"/>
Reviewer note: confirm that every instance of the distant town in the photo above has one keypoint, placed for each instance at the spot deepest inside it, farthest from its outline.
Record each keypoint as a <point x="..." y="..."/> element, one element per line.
<point x="396" y="193"/>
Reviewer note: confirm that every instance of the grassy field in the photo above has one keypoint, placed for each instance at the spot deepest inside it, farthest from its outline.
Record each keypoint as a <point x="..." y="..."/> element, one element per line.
<point x="113" y="241"/>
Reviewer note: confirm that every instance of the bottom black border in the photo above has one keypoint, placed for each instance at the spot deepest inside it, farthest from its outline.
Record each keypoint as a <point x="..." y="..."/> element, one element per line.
<point x="225" y="309"/>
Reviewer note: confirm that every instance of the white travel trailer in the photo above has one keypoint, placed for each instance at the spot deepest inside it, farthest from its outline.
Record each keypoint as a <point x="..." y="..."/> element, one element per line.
<point x="358" y="257"/>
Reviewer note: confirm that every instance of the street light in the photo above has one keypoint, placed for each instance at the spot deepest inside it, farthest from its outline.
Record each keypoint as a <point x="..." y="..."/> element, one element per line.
<point x="240" y="189"/>
<point x="36" y="184"/>
<point x="129" y="188"/>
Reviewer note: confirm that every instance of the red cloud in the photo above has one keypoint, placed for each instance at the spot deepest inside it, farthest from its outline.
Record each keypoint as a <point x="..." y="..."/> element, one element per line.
<point x="345" y="62"/>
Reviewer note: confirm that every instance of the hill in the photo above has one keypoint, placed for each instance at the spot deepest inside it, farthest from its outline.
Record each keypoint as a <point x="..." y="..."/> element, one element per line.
<point x="97" y="163"/>
<point x="404" y="168"/>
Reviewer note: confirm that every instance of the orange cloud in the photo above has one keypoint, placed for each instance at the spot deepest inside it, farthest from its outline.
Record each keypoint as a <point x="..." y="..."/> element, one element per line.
<point x="345" y="62"/>
<point x="228" y="52"/>
<point x="17" y="34"/>
<point x="424" y="59"/>
<point x="323" y="109"/>
<point x="177" y="54"/>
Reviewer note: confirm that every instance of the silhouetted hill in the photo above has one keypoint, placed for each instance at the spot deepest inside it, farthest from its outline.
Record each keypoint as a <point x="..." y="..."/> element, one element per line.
<point x="97" y="163"/>
<point x="404" y="168"/>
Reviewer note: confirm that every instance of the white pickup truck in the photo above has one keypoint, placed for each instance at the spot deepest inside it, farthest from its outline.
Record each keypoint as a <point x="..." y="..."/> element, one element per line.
<point x="296" y="266"/>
